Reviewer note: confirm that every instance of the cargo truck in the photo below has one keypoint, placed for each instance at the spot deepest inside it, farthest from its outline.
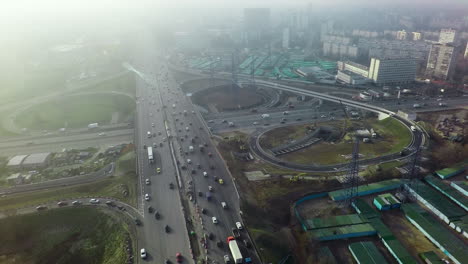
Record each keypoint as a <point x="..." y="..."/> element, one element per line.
<point x="150" y="154"/>
<point x="236" y="254"/>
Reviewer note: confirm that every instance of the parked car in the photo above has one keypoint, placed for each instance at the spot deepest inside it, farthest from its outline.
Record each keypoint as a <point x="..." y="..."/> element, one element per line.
<point x="214" y="219"/>
<point x="94" y="201"/>
<point x="147" y="197"/>
<point x="41" y="207"/>
<point x="239" y="225"/>
<point x="62" y="203"/>
<point x="76" y="202"/>
<point x="143" y="253"/>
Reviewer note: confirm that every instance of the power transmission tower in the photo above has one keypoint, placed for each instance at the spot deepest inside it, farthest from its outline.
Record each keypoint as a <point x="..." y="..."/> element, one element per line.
<point x="351" y="180"/>
<point x="411" y="177"/>
<point x="234" y="66"/>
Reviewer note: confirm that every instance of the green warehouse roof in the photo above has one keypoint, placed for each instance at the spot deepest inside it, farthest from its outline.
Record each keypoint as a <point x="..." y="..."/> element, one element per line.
<point x="366" y="253"/>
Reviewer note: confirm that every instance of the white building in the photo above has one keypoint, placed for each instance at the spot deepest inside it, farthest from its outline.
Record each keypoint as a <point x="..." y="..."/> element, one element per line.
<point x="392" y="71"/>
<point x="447" y="36"/>
<point x="354" y="68"/>
<point x="401" y="35"/>
<point x="441" y="61"/>
<point x="16" y="161"/>
<point x="286" y="38"/>
<point x="416" y="36"/>
<point x="351" y="78"/>
<point x="37" y="160"/>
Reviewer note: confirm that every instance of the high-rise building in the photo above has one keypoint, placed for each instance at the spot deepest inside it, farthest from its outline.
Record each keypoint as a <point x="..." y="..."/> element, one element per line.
<point x="256" y="24"/>
<point x="466" y="51"/>
<point x="392" y="71"/>
<point x="447" y="36"/>
<point x="401" y="35"/>
<point x="286" y="38"/>
<point x="441" y="61"/>
<point x="416" y="36"/>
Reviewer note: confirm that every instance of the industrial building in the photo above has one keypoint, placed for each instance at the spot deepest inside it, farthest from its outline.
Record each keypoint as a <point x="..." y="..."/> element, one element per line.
<point x="392" y="71"/>
<point x="37" y="160"/>
<point x="16" y="161"/>
<point x="366" y="253"/>
<point x="353" y="67"/>
<point x="351" y="78"/>
<point x="441" y="61"/>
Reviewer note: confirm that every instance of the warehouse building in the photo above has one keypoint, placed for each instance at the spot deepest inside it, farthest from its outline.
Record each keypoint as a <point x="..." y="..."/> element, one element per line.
<point x="460" y="186"/>
<point x="366" y="253"/>
<point x="448" y="191"/>
<point x="37" y="160"/>
<point x="386" y="202"/>
<point x="16" y="161"/>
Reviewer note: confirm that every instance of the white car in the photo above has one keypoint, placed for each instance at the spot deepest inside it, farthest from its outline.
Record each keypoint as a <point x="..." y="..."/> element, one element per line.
<point x="101" y="134"/>
<point x="239" y="225"/>
<point x="189" y="161"/>
<point x="143" y="253"/>
<point x="224" y="205"/>
<point x="255" y="123"/>
<point x="147" y="181"/>
<point x="215" y="221"/>
<point x="94" y="201"/>
<point x="147" y="197"/>
<point x="205" y="174"/>
<point x="210" y="188"/>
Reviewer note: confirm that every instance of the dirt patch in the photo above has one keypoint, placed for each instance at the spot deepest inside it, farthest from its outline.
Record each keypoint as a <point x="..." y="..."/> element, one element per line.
<point x="226" y="98"/>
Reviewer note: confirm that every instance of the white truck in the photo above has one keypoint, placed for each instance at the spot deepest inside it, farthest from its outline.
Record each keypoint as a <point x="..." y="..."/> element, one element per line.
<point x="150" y="154"/>
<point x="236" y="254"/>
<point x="265" y="116"/>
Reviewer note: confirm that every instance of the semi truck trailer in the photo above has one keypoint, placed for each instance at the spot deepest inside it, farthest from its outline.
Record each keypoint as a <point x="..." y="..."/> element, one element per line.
<point x="235" y="251"/>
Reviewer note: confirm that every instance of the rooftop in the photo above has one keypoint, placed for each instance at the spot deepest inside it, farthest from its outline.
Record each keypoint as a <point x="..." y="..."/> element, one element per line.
<point x="36" y="158"/>
<point x="16" y="160"/>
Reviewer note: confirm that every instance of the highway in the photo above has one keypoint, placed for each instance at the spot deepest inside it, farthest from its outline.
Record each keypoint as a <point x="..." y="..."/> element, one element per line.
<point x="160" y="245"/>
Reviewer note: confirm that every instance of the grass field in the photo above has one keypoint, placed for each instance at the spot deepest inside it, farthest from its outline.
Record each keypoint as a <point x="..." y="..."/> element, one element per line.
<point x="226" y="98"/>
<point x="283" y="135"/>
<point x="75" y="112"/>
<point x="393" y="137"/>
<point x="66" y="235"/>
<point x="124" y="179"/>
<point x="124" y="84"/>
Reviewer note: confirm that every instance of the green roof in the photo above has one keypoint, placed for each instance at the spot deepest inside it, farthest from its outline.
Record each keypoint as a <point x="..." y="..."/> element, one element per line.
<point x="432" y="257"/>
<point x="449" y="172"/>
<point x="366" y="189"/>
<point x="436" y="232"/>
<point x="340" y="220"/>
<point x="382" y="230"/>
<point x="461" y="186"/>
<point x="398" y="251"/>
<point x="366" y="253"/>
<point x="342" y="232"/>
<point x="448" y="191"/>
<point x="365" y="209"/>
<point x="437" y="200"/>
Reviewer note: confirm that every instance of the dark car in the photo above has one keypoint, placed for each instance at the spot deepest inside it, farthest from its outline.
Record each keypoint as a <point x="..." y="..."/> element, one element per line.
<point x="150" y="210"/>
<point x="178" y="257"/>
<point x="219" y="244"/>
<point x="157" y="215"/>
<point x="137" y="221"/>
<point x="200" y="194"/>
<point x="171" y="185"/>
<point x="203" y="210"/>
<point x="247" y="243"/>
<point x="167" y="229"/>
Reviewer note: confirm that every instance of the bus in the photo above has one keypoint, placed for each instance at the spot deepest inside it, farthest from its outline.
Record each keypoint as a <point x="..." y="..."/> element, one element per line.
<point x="150" y="154"/>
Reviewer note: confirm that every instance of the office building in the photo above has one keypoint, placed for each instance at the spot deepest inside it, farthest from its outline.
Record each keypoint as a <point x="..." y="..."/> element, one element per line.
<point x="392" y="71"/>
<point x="441" y="61"/>
<point x="466" y="51"/>
<point x="416" y="36"/>
<point x="401" y="35"/>
<point x="447" y="36"/>
<point x="256" y="24"/>
<point x="286" y="38"/>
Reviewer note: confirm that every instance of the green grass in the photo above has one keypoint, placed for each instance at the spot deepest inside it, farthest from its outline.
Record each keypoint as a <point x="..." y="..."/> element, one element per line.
<point x="282" y="135"/>
<point x="270" y="245"/>
<point x="66" y="235"/>
<point x="124" y="83"/>
<point x="76" y="111"/>
<point x="393" y="137"/>
<point x="123" y="179"/>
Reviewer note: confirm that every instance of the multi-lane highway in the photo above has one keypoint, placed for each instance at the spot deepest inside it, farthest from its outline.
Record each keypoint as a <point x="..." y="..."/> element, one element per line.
<point x="160" y="108"/>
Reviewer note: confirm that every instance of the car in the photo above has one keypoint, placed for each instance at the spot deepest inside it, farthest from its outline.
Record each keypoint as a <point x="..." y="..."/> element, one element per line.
<point x="194" y="171"/>
<point x="221" y="181"/>
<point x="171" y="185"/>
<point x="239" y="225"/>
<point x="210" y="188"/>
<point x="152" y="124"/>
<point x="209" y="154"/>
<point x="94" y="201"/>
<point x="161" y="144"/>
<point x="167" y="261"/>
<point x="205" y="174"/>
<point x="147" y="182"/>
<point x="214" y="219"/>
<point x="150" y="209"/>
<point x="227" y="259"/>
<point x="157" y="215"/>
<point x="143" y="253"/>
<point x="323" y="116"/>
<point x="41" y="207"/>
<point x="298" y="119"/>
<point x="159" y="132"/>
<point x="167" y="229"/>
<point x="158" y="170"/>
<point x="199" y="166"/>
<point x="224" y="121"/>
<point x="210" y="121"/>
<point x="212" y="167"/>
<point x="147" y="197"/>
<point x="203" y="210"/>
<point x="76" y="202"/>
<point x="219" y="243"/>
<point x="224" y="205"/>
<point x="137" y="221"/>
<point x="62" y="203"/>
<point x="178" y="257"/>
<point x="109" y="203"/>
<point x="215" y="178"/>
<point x="155" y="145"/>
<point x="101" y="134"/>
<point x="189" y="161"/>
<point x="200" y="194"/>
<point x="255" y="123"/>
